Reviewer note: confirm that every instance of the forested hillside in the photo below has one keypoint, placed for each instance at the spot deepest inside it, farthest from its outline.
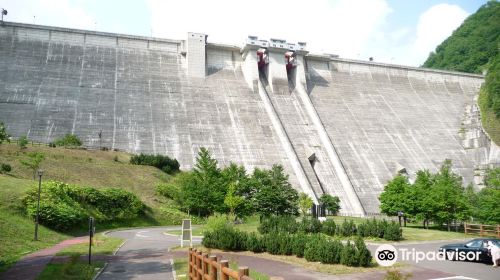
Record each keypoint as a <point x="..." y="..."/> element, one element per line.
<point x="474" y="48"/>
<point x="473" y="45"/>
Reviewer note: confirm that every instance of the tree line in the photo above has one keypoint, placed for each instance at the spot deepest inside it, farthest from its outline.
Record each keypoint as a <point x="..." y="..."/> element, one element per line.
<point x="441" y="198"/>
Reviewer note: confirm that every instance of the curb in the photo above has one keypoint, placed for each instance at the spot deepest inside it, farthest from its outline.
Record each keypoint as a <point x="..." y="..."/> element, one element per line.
<point x="100" y="271"/>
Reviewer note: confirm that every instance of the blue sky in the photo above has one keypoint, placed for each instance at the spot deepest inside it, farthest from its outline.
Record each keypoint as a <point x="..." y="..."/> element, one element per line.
<point x="401" y="32"/>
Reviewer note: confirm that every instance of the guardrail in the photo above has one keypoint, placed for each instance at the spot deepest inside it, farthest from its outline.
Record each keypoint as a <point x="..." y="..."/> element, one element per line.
<point x="204" y="267"/>
<point x="482" y="230"/>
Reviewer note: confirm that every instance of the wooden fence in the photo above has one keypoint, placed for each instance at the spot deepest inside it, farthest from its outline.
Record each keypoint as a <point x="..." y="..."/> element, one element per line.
<point x="482" y="230"/>
<point x="204" y="267"/>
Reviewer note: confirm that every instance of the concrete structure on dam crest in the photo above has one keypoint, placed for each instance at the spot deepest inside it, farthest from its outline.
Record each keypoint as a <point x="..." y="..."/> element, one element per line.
<point x="338" y="126"/>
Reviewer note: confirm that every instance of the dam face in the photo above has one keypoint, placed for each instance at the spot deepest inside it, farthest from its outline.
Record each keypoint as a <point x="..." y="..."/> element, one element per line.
<point x="337" y="126"/>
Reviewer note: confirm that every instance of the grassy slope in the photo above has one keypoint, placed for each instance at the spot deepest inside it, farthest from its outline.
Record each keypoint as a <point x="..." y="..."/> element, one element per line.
<point x="74" y="270"/>
<point x="90" y="168"/>
<point x="490" y="122"/>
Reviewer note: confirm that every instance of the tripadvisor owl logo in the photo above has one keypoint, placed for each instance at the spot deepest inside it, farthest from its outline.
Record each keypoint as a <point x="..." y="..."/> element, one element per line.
<point x="386" y="255"/>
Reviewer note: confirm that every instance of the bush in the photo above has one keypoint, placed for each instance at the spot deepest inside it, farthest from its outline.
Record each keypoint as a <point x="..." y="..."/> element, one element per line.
<point x="285" y="224"/>
<point x="66" y="206"/>
<point x="69" y="140"/>
<point x="363" y="255"/>
<point x="348" y="255"/>
<point x="299" y="244"/>
<point x="328" y="227"/>
<point x="5" y="168"/>
<point x="52" y="145"/>
<point x="310" y="225"/>
<point x="164" y="163"/>
<point x="254" y="243"/>
<point x="347" y="228"/>
<point x="393" y="232"/>
<point x="171" y="191"/>
<point x="22" y="142"/>
<point x="226" y="238"/>
<point x="217" y="222"/>
<point x="314" y="244"/>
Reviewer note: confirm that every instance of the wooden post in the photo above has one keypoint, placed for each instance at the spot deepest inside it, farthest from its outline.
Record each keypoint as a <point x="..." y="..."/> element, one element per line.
<point x="189" y="264"/>
<point x="213" y="268"/>
<point x="481" y="231"/>
<point x="465" y="228"/>
<point x="204" y="258"/>
<point x="223" y="276"/>
<point x="242" y="271"/>
<point x="199" y="267"/>
<point x="498" y="231"/>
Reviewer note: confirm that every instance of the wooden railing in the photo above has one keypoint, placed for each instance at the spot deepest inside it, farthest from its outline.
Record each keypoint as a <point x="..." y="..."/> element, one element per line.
<point x="204" y="267"/>
<point x="482" y="230"/>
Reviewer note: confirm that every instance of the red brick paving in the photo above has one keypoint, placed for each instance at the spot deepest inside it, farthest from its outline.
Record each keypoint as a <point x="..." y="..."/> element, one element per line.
<point x="30" y="266"/>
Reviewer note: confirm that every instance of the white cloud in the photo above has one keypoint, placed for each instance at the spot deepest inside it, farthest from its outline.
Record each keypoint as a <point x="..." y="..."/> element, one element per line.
<point x="49" y="12"/>
<point x="434" y="26"/>
<point x="327" y="26"/>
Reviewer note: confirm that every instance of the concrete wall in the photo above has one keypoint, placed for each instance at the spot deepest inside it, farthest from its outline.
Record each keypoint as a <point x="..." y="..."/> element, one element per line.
<point x="362" y="121"/>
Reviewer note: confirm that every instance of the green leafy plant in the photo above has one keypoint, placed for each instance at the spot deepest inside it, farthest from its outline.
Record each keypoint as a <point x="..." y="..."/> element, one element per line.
<point x="33" y="161"/>
<point x="22" y="142"/>
<point x="68" y="140"/>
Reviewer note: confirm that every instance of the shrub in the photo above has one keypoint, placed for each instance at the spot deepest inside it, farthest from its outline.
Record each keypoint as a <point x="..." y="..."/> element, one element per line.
<point x="348" y="255"/>
<point x="226" y="238"/>
<point x="331" y="252"/>
<point x="396" y="275"/>
<point x="254" y="243"/>
<point x="164" y="163"/>
<point x="217" y="222"/>
<point x="310" y="225"/>
<point x="272" y="243"/>
<point x="171" y="191"/>
<point x="22" y="142"/>
<point x="363" y="255"/>
<point x="68" y="140"/>
<point x="393" y="232"/>
<point x="328" y="227"/>
<point x="299" y="244"/>
<point x="347" y="228"/>
<point x="66" y="206"/>
<point x="278" y="224"/>
<point x="313" y="246"/>
<point x="52" y="145"/>
<point x="5" y="168"/>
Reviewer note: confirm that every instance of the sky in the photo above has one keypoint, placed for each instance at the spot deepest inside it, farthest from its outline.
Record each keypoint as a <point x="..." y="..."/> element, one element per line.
<point x="400" y="32"/>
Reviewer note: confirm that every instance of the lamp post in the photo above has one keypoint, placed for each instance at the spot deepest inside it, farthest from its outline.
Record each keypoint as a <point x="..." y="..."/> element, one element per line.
<point x="39" y="173"/>
<point x="4" y="13"/>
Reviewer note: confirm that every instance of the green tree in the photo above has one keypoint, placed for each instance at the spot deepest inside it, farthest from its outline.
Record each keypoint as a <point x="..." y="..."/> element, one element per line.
<point x="394" y="198"/>
<point x="305" y="203"/>
<point x="203" y="190"/>
<point x="492" y="178"/>
<point x="274" y="195"/>
<point x="232" y="200"/>
<point x="3" y="133"/>
<point x="488" y="205"/>
<point x="33" y="162"/>
<point x="331" y="203"/>
<point x="22" y="142"/>
<point x="420" y="202"/>
<point x="448" y="193"/>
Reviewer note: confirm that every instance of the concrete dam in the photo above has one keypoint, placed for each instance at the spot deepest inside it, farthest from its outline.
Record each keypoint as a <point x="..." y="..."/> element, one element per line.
<point x="338" y="126"/>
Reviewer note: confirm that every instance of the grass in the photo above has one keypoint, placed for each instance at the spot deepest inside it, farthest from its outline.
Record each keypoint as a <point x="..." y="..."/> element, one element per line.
<point x="102" y="245"/>
<point x="181" y="268"/>
<point x="490" y="122"/>
<point x="84" y="167"/>
<point x="250" y="224"/>
<point x="73" y="270"/>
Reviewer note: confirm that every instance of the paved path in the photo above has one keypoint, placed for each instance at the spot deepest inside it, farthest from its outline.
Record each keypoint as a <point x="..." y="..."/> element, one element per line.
<point x="30" y="266"/>
<point x="144" y="255"/>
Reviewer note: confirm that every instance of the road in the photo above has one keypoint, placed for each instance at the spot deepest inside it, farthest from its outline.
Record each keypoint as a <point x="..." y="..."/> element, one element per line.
<point x="472" y="270"/>
<point x="144" y="255"/>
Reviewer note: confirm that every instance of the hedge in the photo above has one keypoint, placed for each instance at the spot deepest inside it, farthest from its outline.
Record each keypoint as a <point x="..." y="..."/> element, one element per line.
<point x="164" y="163"/>
<point x="313" y="247"/>
<point x="369" y="228"/>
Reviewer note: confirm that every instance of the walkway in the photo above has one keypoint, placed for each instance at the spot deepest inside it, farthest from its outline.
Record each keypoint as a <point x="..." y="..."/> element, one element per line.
<point x="30" y="266"/>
